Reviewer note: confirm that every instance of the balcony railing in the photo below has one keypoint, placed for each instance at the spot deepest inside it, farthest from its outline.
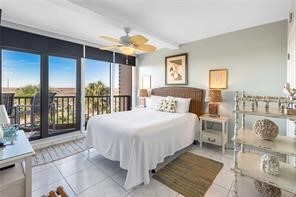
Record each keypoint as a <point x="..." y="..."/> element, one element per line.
<point x="63" y="113"/>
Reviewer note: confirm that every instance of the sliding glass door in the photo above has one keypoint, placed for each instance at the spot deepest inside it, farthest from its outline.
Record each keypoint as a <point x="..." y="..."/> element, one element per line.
<point x="62" y="95"/>
<point x="97" y="87"/>
<point x="21" y="89"/>
<point x="29" y="81"/>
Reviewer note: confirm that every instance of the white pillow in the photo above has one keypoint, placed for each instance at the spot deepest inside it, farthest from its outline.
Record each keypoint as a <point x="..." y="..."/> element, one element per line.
<point x="154" y="101"/>
<point x="148" y="101"/>
<point x="183" y="104"/>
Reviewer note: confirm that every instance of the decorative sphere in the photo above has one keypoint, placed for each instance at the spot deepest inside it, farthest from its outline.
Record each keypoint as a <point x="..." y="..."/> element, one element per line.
<point x="266" y="129"/>
<point x="270" y="164"/>
<point x="267" y="190"/>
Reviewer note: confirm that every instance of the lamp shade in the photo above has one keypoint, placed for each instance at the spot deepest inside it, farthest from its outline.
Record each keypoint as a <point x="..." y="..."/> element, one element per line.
<point x="214" y="95"/>
<point x="4" y="119"/>
<point x="143" y="93"/>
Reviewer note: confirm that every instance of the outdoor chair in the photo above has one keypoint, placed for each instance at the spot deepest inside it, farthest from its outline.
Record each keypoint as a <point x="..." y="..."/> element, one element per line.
<point x="33" y="111"/>
<point x="7" y="100"/>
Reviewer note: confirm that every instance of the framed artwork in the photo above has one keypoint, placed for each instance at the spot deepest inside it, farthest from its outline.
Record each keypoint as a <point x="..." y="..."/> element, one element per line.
<point x="176" y="70"/>
<point x="218" y="79"/>
<point x="146" y="81"/>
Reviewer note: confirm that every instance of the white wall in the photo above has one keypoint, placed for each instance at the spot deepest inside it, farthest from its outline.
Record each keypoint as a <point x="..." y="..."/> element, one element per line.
<point x="291" y="63"/>
<point x="255" y="58"/>
<point x="291" y="69"/>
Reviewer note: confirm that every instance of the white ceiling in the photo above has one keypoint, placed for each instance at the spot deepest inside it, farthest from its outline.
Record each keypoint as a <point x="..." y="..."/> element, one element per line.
<point x="167" y="23"/>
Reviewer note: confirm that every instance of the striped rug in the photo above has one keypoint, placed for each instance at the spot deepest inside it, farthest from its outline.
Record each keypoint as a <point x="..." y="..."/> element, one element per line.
<point x="58" y="151"/>
<point x="190" y="175"/>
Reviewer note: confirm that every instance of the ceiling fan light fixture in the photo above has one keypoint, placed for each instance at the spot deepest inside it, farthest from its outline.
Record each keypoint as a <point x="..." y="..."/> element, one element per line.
<point x="129" y="45"/>
<point x="127" y="50"/>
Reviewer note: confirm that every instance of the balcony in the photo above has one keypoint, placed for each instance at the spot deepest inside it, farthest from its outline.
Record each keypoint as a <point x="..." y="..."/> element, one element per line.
<point x="62" y="116"/>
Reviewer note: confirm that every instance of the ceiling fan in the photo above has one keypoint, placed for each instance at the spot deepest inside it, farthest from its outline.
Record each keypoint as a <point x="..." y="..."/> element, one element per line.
<point x="129" y="44"/>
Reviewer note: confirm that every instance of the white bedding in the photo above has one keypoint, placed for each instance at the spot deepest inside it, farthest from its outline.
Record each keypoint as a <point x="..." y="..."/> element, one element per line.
<point x="140" y="139"/>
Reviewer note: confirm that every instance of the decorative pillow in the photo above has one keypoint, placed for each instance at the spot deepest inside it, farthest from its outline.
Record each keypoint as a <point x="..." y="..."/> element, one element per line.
<point x="168" y="105"/>
<point x="161" y="105"/>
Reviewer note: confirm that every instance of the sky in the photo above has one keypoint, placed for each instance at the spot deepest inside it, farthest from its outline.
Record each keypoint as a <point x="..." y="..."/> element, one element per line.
<point x="20" y="69"/>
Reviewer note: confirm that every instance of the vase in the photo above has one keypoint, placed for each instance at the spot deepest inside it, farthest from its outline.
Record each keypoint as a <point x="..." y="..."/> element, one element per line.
<point x="266" y="129"/>
<point x="270" y="164"/>
<point x="267" y="190"/>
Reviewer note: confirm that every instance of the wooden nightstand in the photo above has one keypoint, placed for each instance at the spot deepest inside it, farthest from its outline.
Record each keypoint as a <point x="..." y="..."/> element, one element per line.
<point x="214" y="136"/>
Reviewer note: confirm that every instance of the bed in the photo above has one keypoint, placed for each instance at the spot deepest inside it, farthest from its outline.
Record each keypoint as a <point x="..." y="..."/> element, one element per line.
<point x="142" y="138"/>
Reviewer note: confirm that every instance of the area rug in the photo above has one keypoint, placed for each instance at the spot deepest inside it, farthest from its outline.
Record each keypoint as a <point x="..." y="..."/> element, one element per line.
<point x="58" y="151"/>
<point x="190" y="175"/>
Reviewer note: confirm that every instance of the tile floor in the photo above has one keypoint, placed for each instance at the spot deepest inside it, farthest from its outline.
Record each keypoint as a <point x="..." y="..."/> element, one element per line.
<point x="92" y="175"/>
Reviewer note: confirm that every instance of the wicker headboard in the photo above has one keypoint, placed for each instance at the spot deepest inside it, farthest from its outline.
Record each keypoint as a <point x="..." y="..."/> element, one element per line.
<point x="196" y="95"/>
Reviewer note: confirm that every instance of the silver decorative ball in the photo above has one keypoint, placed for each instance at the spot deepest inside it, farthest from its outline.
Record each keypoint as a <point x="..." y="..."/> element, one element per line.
<point x="270" y="164"/>
<point x="266" y="129"/>
<point x="267" y="190"/>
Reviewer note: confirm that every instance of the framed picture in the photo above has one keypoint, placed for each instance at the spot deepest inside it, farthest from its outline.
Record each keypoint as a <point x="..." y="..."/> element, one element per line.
<point x="176" y="70"/>
<point x="218" y="79"/>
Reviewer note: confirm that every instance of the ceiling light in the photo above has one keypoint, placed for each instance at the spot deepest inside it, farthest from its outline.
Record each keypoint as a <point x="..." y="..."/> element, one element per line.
<point x="127" y="50"/>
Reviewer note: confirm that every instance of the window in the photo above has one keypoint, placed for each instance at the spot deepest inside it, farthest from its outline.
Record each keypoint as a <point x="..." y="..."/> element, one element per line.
<point x="97" y="87"/>
<point x="62" y="95"/>
<point x="122" y="89"/>
<point x="21" y="89"/>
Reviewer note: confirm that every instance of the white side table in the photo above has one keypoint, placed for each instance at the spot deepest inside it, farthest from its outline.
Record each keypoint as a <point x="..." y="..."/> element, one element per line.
<point x="20" y="151"/>
<point x="213" y="136"/>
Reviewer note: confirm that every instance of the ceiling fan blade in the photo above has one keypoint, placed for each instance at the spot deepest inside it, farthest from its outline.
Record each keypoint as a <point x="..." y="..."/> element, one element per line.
<point x="138" y="40"/>
<point x="108" y="48"/>
<point x="146" y="48"/>
<point x="111" y="39"/>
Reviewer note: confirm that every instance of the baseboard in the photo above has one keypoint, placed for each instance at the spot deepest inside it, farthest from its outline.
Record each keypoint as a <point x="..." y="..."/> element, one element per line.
<point x="58" y="139"/>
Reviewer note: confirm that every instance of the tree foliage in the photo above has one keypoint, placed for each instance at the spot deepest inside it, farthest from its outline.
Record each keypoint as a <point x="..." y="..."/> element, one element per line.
<point x="98" y="105"/>
<point x="97" y="89"/>
<point x="29" y="90"/>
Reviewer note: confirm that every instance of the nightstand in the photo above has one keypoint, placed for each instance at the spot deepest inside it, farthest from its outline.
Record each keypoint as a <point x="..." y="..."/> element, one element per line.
<point x="213" y="136"/>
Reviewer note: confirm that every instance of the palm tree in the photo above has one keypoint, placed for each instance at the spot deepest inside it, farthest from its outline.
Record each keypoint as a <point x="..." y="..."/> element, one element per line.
<point x="97" y="89"/>
<point x="98" y="104"/>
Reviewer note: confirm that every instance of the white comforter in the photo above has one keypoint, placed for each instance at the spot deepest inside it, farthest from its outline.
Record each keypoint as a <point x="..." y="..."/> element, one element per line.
<point x="140" y="139"/>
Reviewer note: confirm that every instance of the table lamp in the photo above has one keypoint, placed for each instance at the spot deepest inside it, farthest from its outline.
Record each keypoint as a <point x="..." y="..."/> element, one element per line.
<point x="4" y="121"/>
<point x="214" y="96"/>
<point x="142" y="94"/>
